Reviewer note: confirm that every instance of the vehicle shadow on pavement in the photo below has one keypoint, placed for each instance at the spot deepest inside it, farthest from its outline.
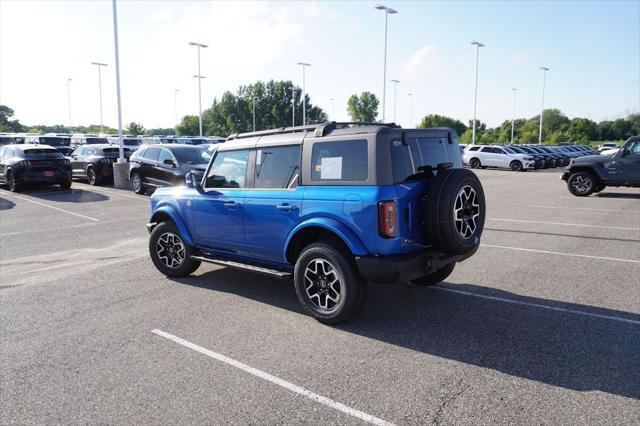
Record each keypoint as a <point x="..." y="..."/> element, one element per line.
<point x="6" y="204"/>
<point x="564" y="349"/>
<point x="68" y="196"/>
<point x="618" y="195"/>
<point x="555" y="234"/>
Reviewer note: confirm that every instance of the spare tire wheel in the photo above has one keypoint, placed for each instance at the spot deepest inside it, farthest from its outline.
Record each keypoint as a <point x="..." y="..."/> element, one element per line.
<point x="455" y="211"/>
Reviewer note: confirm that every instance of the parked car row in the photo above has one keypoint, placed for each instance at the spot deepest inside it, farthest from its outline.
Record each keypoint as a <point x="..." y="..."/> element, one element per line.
<point x="522" y="157"/>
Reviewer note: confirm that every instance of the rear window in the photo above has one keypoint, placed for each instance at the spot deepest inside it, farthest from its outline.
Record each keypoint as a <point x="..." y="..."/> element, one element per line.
<point x="42" y="153"/>
<point x="418" y="152"/>
<point x="55" y="141"/>
<point x="340" y="161"/>
<point x="93" y="141"/>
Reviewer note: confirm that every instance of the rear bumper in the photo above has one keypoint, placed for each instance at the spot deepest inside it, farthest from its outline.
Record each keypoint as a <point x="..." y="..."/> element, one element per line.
<point x="401" y="268"/>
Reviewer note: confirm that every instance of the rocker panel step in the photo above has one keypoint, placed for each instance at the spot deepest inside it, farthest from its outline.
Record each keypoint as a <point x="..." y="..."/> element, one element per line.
<point x="245" y="266"/>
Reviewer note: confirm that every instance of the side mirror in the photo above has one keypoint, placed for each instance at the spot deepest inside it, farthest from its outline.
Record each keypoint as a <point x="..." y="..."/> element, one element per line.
<point x="169" y="162"/>
<point x="193" y="180"/>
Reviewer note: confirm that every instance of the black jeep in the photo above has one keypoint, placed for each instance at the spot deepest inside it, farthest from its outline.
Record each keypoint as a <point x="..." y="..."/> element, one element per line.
<point x="592" y="173"/>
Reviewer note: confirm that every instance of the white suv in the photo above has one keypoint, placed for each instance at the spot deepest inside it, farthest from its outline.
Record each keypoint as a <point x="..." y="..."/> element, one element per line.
<point x="497" y="156"/>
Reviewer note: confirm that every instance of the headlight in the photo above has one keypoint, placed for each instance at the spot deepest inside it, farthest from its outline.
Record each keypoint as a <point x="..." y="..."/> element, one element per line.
<point x="529" y="158"/>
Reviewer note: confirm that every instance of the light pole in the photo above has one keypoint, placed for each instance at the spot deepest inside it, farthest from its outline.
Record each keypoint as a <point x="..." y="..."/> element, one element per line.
<point x="387" y="11"/>
<point x="513" y="114"/>
<point x="478" y="45"/>
<point x="395" y="96"/>
<point x="254" y="112"/>
<point x="293" y="106"/>
<point x="410" y="109"/>
<point x="333" y="109"/>
<point x="121" y="168"/>
<point x="69" y="100"/>
<point x="304" y="93"/>
<point x="200" y="77"/>
<point x="100" y="65"/>
<point x="544" y="78"/>
<point x="175" y="109"/>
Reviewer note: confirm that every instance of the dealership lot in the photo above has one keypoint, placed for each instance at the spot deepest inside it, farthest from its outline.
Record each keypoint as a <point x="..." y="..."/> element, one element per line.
<point x="541" y="326"/>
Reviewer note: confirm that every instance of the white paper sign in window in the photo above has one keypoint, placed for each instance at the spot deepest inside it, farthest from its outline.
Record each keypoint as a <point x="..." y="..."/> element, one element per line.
<point x="331" y="168"/>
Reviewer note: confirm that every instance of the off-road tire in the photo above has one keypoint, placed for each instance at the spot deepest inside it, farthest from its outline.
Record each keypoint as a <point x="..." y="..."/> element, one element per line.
<point x="436" y="276"/>
<point x="582" y="183"/>
<point x="157" y="239"/>
<point x="455" y="211"/>
<point x="325" y="256"/>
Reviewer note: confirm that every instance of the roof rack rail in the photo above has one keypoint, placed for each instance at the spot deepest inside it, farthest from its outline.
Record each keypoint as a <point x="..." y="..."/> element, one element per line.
<point x="320" y="129"/>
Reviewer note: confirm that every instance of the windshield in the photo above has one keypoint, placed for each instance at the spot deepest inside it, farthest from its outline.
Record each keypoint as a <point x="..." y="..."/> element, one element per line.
<point x="191" y="156"/>
<point x="130" y="141"/>
<point x="55" y="141"/>
<point x="510" y="150"/>
<point x="40" y="153"/>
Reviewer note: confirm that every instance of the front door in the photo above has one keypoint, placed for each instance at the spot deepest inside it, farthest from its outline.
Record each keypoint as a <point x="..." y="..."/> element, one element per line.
<point x="218" y="213"/>
<point x="628" y="159"/>
<point x="272" y="206"/>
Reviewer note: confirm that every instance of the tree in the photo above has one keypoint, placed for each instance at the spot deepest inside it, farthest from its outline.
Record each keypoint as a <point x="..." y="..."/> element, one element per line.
<point x="582" y="130"/>
<point x="161" y="131"/>
<point x="135" y="129"/>
<point x="435" y="120"/>
<point x="363" y="108"/>
<point x="189" y="126"/>
<point x="6" y="124"/>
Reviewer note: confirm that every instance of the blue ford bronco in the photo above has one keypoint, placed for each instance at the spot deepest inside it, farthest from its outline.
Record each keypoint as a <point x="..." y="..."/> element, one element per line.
<point x="335" y="205"/>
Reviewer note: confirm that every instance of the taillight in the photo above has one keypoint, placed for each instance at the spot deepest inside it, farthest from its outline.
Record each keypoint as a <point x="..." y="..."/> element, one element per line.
<point x="387" y="223"/>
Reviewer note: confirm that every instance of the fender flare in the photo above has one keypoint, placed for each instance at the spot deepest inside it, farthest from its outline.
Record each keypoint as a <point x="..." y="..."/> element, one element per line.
<point x="350" y="238"/>
<point x="175" y="217"/>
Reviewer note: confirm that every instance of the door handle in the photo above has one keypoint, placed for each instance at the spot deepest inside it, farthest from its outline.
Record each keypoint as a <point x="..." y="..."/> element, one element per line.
<point x="231" y="205"/>
<point x="285" y="207"/>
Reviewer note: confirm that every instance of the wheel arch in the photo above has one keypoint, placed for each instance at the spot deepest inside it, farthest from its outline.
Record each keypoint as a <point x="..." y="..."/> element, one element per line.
<point x="598" y="175"/>
<point x="168" y="214"/>
<point x="318" y="229"/>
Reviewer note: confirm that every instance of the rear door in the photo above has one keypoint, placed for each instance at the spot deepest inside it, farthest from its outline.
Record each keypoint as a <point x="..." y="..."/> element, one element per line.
<point x="75" y="158"/>
<point x="272" y="205"/>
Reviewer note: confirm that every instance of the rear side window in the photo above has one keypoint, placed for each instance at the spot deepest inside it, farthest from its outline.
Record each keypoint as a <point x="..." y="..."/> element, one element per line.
<point x="229" y="170"/>
<point x="340" y="161"/>
<point x="277" y="167"/>
<point x="152" y="154"/>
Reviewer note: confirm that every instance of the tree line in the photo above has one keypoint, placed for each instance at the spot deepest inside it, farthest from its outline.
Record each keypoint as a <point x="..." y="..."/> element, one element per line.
<point x="279" y="104"/>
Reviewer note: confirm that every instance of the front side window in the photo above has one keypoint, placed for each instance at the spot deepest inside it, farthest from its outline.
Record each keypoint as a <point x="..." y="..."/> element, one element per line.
<point x="152" y="154"/>
<point x="229" y="170"/>
<point x="277" y="167"/>
<point x="165" y="155"/>
<point x="340" y="161"/>
<point x="634" y="148"/>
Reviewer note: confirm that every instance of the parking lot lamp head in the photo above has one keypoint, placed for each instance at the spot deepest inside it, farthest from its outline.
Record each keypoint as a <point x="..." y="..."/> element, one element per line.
<point x="387" y="11"/>
<point x="544" y="78"/>
<point x="304" y="92"/>
<point x="478" y="45"/>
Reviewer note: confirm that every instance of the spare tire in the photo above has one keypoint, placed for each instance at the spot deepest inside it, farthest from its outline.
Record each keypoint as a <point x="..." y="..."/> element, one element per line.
<point x="454" y="211"/>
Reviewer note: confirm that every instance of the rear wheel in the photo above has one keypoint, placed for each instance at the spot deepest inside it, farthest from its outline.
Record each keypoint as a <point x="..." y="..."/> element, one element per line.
<point x="582" y="184"/>
<point x="516" y="166"/>
<point x="436" y="276"/>
<point x="474" y="163"/>
<point x="66" y="185"/>
<point x="92" y="178"/>
<point x="136" y="183"/>
<point x="13" y="185"/>
<point x="169" y="252"/>
<point x="328" y="284"/>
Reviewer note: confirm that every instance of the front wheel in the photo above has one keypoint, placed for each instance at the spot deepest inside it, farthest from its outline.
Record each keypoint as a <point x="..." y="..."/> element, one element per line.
<point x="328" y="284"/>
<point x="92" y="178"/>
<point x="435" y="277"/>
<point x="516" y="166"/>
<point x="136" y="183"/>
<point x="13" y="185"/>
<point x="581" y="184"/>
<point x="169" y="253"/>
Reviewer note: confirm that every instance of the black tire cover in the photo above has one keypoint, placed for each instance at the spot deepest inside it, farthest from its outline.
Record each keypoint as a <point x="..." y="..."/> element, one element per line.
<point x="455" y="211"/>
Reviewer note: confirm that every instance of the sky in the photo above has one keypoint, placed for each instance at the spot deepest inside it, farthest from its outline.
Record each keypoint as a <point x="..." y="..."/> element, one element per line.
<point x="592" y="49"/>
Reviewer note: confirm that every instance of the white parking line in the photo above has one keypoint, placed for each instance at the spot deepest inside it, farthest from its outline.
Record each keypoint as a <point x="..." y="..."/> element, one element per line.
<point x="536" y="305"/>
<point x="52" y="207"/>
<point x="584" y="208"/>
<point x="275" y="380"/>
<point x="117" y="193"/>
<point x="559" y="253"/>
<point x="565" y="224"/>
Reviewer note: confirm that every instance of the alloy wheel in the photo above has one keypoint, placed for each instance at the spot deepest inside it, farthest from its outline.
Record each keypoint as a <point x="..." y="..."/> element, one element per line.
<point x="137" y="183"/>
<point x="466" y="211"/>
<point x="322" y="285"/>
<point x="581" y="184"/>
<point x="170" y="250"/>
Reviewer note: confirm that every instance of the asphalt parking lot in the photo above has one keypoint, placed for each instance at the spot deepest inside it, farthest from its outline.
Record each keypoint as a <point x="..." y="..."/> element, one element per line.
<point x="542" y="325"/>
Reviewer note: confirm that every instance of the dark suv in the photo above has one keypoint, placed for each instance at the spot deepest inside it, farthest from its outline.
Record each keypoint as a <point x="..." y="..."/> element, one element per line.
<point x="26" y="164"/>
<point x="165" y="165"/>
<point x="332" y="205"/>
<point x="593" y="173"/>
<point x="95" y="162"/>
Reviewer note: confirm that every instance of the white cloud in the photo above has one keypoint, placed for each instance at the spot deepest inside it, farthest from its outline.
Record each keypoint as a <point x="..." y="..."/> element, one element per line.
<point x="422" y="62"/>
